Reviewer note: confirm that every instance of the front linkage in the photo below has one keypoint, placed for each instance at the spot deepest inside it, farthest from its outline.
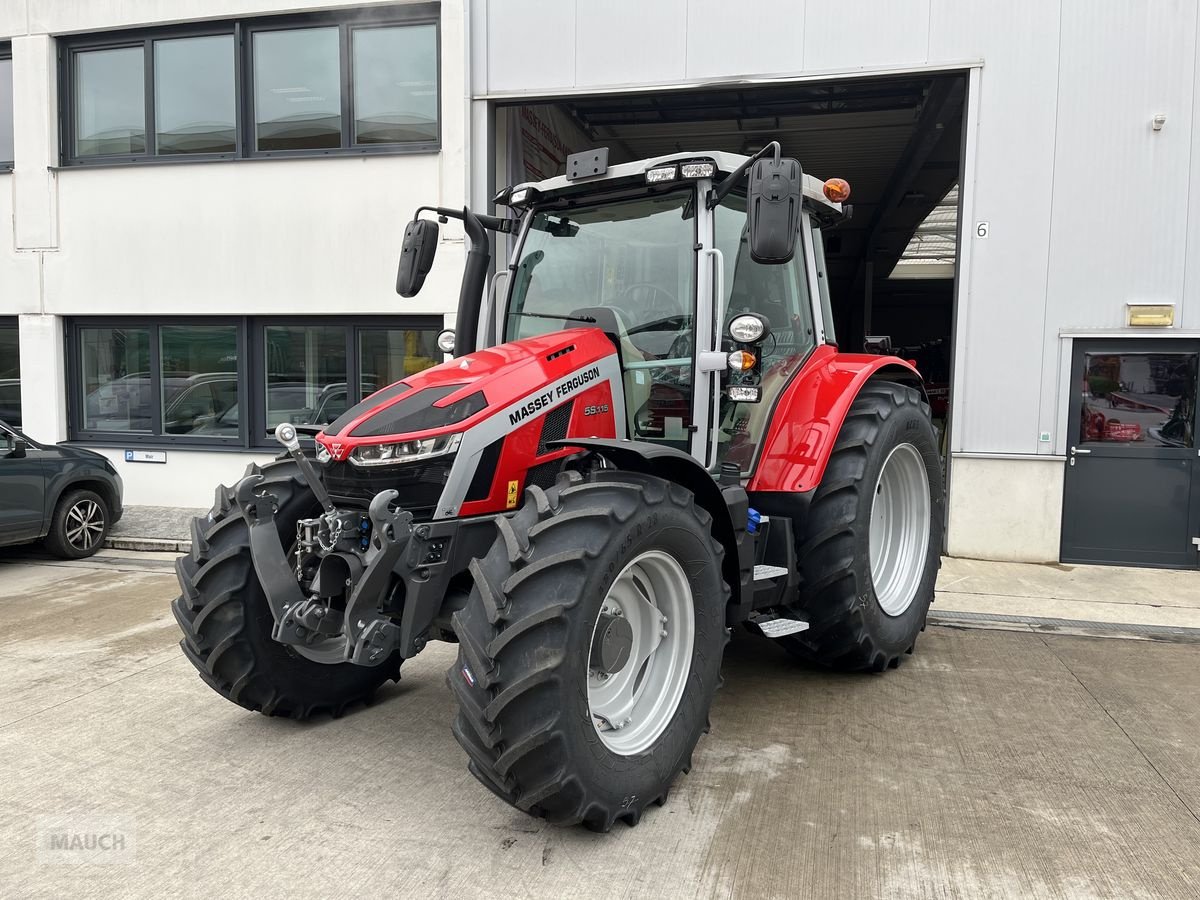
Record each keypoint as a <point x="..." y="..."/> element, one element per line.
<point x="394" y="575"/>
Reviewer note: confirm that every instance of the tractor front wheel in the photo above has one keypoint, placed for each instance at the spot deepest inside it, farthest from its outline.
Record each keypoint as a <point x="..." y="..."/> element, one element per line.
<point x="870" y="553"/>
<point x="590" y="648"/>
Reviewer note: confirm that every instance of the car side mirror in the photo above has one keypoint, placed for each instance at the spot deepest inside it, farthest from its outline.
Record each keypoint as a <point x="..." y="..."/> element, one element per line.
<point x="416" y="256"/>
<point x="773" y="209"/>
<point x="18" y="449"/>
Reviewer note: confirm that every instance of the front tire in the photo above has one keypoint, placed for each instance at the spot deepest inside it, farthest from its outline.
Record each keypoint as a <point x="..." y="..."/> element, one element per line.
<point x="870" y="554"/>
<point x="226" y="620"/>
<point x="544" y="623"/>
<point x="79" y="526"/>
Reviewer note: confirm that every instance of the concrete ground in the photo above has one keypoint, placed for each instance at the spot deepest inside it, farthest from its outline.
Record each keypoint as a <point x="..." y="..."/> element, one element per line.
<point x="991" y="764"/>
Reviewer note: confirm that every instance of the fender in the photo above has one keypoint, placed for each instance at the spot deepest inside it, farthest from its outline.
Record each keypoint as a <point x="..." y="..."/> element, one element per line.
<point x="728" y="504"/>
<point x="810" y="412"/>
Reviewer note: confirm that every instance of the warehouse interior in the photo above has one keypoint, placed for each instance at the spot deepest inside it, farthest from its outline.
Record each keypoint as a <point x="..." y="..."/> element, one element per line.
<point x="897" y="140"/>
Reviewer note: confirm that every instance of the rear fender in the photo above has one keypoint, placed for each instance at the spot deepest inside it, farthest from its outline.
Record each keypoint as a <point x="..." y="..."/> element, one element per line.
<point x="810" y="412"/>
<point x="727" y="504"/>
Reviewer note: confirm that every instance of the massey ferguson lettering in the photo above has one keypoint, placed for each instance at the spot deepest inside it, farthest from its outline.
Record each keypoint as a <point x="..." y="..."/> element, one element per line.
<point x="541" y="401"/>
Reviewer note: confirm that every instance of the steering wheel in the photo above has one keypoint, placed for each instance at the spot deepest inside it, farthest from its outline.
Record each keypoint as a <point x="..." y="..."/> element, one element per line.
<point x="650" y="312"/>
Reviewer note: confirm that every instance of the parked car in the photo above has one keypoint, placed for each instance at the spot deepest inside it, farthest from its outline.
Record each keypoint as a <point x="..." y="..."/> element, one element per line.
<point x="65" y="496"/>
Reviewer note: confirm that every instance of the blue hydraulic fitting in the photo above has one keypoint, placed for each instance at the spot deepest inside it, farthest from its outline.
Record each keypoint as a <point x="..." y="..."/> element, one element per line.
<point x="754" y="519"/>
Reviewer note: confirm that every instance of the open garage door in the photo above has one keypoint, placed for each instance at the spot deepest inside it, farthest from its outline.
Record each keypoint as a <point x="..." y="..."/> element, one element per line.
<point x="897" y="140"/>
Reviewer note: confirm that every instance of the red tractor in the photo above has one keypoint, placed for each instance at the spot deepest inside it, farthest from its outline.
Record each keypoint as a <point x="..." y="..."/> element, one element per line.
<point x="645" y="437"/>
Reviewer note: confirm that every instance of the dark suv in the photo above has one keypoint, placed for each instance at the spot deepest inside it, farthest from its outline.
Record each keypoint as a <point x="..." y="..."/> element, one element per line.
<point x="68" y="496"/>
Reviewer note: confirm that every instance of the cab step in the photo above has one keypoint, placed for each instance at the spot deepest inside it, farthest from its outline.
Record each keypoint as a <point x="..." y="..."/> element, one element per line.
<point x="765" y="573"/>
<point x="774" y="626"/>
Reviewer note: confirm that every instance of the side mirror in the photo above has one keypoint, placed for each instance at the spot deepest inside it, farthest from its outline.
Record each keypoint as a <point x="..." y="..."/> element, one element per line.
<point x="773" y="209"/>
<point x="18" y="450"/>
<point x="416" y="256"/>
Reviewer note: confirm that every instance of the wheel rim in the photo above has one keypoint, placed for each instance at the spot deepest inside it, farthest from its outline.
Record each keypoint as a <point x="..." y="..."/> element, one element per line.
<point x="631" y="703"/>
<point x="899" y="538"/>
<point x="84" y="525"/>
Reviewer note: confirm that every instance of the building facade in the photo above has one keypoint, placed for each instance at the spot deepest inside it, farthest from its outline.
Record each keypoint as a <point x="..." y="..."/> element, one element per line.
<point x="1037" y="156"/>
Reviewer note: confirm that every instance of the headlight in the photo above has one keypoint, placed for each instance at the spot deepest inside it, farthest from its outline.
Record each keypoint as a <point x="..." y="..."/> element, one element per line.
<point x="404" y="451"/>
<point x="747" y="328"/>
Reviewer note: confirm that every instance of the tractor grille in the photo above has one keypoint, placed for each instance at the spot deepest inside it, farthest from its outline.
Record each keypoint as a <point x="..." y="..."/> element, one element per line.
<point x="554" y="426"/>
<point x="420" y="484"/>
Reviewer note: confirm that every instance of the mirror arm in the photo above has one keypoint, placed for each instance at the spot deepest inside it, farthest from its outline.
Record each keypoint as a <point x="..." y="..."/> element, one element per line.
<point x="492" y="223"/>
<point x="721" y="191"/>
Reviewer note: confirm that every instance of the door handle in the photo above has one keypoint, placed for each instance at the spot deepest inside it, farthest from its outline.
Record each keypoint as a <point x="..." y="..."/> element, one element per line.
<point x="1075" y="450"/>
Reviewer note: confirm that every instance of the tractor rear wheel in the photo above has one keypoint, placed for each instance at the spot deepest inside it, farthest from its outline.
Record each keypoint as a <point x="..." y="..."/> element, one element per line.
<point x="226" y="621"/>
<point x="590" y="648"/>
<point x="871" y="550"/>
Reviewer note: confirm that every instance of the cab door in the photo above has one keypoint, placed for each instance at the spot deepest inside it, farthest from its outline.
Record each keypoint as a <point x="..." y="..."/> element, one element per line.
<point x="22" y="490"/>
<point x="1132" y="490"/>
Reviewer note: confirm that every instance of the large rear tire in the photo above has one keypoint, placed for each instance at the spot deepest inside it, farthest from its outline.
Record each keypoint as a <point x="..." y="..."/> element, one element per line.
<point x="870" y="555"/>
<point x="226" y="621"/>
<point x="590" y="648"/>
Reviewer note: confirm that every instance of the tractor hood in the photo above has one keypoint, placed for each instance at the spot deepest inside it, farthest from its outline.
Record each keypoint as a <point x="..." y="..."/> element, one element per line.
<point x="519" y="379"/>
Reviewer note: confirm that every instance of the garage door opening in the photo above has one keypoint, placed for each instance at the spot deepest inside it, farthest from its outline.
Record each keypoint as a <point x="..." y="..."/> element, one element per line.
<point x="897" y="140"/>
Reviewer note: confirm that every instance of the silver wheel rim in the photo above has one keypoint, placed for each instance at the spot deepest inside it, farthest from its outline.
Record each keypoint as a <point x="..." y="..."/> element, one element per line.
<point x="631" y="707"/>
<point x="84" y="525"/>
<point x="899" y="537"/>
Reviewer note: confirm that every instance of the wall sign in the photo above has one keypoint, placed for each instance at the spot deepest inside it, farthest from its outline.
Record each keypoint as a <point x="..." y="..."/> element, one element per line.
<point x="146" y="456"/>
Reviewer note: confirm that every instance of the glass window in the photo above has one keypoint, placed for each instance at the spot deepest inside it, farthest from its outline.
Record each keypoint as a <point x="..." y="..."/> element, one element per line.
<point x="395" y="84"/>
<point x="297" y="89"/>
<point x="778" y="293"/>
<point x="1140" y="399"/>
<point x="306" y="371"/>
<point x="195" y="114"/>
<point x="6" y="111"/>
<point x="110" y="102"/>
<point x="199" y="379"/>
<point x="388" y="355"/>
<point x="115" y="371"/>
<point x="10" y="375"/>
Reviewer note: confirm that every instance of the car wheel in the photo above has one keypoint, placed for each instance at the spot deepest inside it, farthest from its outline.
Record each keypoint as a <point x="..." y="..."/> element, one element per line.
<point x="79" y="526"/>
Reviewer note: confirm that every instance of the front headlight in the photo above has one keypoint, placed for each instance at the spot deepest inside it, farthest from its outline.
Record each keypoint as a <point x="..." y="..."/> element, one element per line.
<point x="404" y="451"/>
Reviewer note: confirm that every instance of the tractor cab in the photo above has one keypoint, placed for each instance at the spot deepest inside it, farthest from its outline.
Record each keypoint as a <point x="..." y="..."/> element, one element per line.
<point x="707" y="281"/>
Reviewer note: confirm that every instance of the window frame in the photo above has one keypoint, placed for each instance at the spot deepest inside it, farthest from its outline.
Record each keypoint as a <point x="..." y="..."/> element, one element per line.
<point x="6" y="165"/>
<point x="252" y="430"/>
<point x="243" y="31"/>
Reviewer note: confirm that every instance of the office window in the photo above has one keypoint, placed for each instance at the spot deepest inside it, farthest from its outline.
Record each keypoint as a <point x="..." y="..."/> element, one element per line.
<point x="394" y="73"/>
<point x="116" y="380"/>
<point x="297" y="89"/>
<point x="191" y="114"/>
<point x="110" y="102"/>
<point x="6" y="109"/>
<point x="305" y="373"/>
<point x="314" y="84"/>
<point x="228" y="381"/>
<point x="10" y="373"/>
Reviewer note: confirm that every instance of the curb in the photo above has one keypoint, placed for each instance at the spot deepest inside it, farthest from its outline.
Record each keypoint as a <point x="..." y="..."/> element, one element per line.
<point x="1175" y="634"/>
<point x="160" y="545"/>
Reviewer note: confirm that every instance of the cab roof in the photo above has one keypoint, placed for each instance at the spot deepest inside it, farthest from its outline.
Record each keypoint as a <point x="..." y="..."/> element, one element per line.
<point x="725" y="163"/>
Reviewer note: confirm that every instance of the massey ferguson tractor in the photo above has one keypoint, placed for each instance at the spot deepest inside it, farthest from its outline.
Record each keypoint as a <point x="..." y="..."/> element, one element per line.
<point x="645" y="436"/>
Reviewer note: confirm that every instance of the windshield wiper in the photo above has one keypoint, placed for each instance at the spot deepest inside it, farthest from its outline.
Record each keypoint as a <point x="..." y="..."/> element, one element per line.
<point x="589" y="319"/>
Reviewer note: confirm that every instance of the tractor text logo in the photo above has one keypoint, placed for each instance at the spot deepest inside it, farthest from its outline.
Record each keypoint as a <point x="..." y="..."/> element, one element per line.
<point x="541" y="401"/>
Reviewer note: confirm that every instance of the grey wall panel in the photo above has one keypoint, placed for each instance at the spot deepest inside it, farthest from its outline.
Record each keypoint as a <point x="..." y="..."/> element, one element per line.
<point x="769" y="39"/>
<point x="1112" y="240"/>
<point x="477" y="29"/>
<point x="996" y="404"/>
<point x="630" y="41"/>
<point x="865" y="33"/>
<point x="531" y="45"/>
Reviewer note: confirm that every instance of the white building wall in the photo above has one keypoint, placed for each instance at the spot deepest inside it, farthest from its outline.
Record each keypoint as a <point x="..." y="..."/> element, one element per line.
<point x="1088" y="207"/>
<point x="246" y="237"/>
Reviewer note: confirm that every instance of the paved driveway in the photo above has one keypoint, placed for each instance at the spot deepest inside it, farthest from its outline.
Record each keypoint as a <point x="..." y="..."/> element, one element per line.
<point x="992" y="764"/>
